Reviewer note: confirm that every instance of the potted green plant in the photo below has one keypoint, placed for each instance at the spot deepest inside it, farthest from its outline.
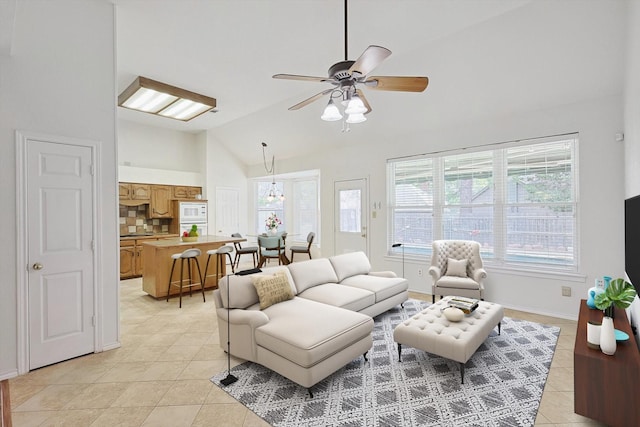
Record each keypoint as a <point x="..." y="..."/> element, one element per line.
<point x="619" y="293"/>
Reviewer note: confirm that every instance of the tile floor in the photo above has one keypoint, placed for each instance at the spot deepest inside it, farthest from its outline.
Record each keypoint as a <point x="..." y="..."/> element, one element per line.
<point x="160" y="375"/>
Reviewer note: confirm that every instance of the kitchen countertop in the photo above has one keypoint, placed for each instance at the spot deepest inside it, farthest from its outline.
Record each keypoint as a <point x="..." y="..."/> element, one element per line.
<point x="147" y="236"/>
<point x="201" y="239"/>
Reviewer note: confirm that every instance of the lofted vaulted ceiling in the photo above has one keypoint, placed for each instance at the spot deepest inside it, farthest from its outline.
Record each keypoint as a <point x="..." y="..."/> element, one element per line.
<point x="484" y="59"/>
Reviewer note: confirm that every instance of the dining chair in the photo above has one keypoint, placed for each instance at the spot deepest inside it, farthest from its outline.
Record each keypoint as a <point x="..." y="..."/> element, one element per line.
<point x="272" y="247"/>
<point x="247" y="250"/>
<point x="304" y="249"/>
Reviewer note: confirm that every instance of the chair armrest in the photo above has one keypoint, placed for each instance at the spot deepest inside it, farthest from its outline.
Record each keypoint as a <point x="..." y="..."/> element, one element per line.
<point x="479" y="274"/>
<point x="383" y="273"/>
<point x="435" y="272"/>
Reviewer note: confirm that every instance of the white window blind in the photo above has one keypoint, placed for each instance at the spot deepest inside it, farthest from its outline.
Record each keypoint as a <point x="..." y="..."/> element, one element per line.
<point x="305" y="208"/>
<point x="517" y="200"/>
<point x="266" y="207"/>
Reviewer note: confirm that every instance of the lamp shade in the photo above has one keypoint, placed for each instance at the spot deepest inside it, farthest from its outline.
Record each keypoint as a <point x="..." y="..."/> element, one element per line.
<point x="355" y="106"/>
<point x="356" y="118"/>
<point x="331" y="112"/>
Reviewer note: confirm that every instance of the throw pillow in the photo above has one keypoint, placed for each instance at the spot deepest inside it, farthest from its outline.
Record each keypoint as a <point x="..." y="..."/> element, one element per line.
<point x="272" y="289"/>
<point x="457" y="267"/>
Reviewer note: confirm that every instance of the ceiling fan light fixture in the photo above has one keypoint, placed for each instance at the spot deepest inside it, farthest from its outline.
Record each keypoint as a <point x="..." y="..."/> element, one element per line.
<point x="356" y="118"/>
<point x="331" y="112"/>
<point x="355" y="106"/>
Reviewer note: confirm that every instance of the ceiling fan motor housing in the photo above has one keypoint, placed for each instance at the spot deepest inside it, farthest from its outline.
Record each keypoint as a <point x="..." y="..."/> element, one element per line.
<point x="340" y="70"/>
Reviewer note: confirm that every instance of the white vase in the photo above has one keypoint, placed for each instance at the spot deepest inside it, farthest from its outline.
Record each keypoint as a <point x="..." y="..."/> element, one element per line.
<point x="607" y="336"/>
<point x="593" y="335"/>
<point x="273" y="231"/>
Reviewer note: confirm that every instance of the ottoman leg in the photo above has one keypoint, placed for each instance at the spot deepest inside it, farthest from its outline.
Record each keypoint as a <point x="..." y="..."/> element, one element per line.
<point x="499" y="325"/>
<point x="461" y="373"/>
<point x="399" y="352"/>
<point x="365" y="356"/>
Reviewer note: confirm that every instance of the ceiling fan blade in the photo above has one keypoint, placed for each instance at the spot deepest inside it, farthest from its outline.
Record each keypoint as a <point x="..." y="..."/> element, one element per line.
<point x="370" y="59"/>
<point x="364" y="101"/>
<point x="402" y="84"/>
<point x="303" y="78"/>
<point x="310" y="100"/>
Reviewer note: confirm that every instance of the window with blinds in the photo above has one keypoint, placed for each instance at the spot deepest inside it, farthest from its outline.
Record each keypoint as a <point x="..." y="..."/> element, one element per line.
<point x="299" y="211"/>
<point x="266" y="207"/>
<point x="517" y="200"/>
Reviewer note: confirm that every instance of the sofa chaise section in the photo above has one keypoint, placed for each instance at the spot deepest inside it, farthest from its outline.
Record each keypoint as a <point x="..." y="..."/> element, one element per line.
<point x="323" y="324"/>
<point x="301" y="339"/>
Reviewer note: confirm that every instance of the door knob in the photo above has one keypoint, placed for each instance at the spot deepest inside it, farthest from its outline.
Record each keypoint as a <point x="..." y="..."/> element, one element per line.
<point x="38" y="266"/>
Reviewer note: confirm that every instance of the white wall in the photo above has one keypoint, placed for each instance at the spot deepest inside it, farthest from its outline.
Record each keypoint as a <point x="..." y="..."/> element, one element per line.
<point x="151" y="147"/>
<point x="225" y="170"/>
<point x="155" y="155"/>
<point x="59" y="82"/>
<point x="601" y="194"/>
<point x="632" y="124"/>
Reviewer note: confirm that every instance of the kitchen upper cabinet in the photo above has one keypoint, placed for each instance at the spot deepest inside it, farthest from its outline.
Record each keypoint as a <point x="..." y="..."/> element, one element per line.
<point x="186" y="192"/>
<point x="134" y="194"/>
<point x="160" y="203"/>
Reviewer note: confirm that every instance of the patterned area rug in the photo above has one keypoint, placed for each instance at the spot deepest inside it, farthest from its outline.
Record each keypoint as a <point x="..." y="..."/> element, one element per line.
<point x="503" y="385"/>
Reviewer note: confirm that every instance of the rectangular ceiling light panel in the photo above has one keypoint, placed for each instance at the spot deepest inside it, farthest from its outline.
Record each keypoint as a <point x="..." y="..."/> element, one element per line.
<point x="154" y="97"/>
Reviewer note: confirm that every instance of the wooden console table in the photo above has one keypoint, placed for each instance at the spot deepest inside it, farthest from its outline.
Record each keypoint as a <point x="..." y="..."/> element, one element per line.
<point x="606" y="388"/>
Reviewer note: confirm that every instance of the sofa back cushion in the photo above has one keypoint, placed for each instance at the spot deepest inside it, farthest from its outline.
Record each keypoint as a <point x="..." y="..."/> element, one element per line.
<point x="350" y="264"/>
<point x="313" y="272"/>
<point x="243" y="292"/>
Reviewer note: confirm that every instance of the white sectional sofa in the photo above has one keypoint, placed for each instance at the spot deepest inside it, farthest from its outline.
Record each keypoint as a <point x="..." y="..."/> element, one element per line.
<point x="323" y="324"/>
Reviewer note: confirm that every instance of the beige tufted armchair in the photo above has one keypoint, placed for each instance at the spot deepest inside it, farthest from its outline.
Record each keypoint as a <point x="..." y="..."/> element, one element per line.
<point x="463" y="276"/>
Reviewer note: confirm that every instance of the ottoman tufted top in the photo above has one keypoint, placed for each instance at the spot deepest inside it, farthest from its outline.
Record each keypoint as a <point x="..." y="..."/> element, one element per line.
<point x="430" y="330"/>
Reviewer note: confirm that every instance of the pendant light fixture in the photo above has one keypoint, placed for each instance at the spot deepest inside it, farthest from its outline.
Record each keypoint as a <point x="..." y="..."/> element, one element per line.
<point x="273" y="191"/>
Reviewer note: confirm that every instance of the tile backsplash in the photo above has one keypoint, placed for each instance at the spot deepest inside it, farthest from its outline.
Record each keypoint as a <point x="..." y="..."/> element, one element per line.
<point x="133" y="220"/>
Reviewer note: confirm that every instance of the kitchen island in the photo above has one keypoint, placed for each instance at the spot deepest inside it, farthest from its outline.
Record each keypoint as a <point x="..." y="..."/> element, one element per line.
<point x="157" y="263"/>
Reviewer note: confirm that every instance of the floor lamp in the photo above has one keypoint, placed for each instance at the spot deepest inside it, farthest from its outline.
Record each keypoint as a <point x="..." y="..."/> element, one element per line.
<point x="230" y="379"/>
<point x="395" y="245"/>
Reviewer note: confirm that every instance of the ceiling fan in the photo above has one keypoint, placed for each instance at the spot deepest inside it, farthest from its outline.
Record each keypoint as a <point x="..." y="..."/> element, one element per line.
<point x="345" y="77"/>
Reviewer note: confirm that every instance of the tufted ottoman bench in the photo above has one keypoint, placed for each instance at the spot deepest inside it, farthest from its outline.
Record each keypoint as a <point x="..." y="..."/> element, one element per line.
<point x="430" y="331"/>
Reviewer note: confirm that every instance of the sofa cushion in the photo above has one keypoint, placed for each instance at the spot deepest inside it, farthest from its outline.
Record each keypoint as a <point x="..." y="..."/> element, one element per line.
<point x="382" y="287"/>
<point x="348" y="297"/>
<point x="307" y="332"/>
<point x="313" y="272"/>
<point x="243" y="293"/>
<point x="350" y="264"/>
<point x="272" y="288"/>
<point x="456" y="267"/>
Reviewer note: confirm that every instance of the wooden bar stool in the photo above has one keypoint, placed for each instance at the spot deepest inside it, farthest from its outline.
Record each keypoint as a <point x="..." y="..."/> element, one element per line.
<point x="220" y="262"/>
<point x="189" y="255"/>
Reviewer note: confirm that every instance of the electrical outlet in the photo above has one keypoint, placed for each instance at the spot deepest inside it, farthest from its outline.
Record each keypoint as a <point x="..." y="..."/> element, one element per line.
<point x="566" y="291"/>
<point x="420" y="272"/>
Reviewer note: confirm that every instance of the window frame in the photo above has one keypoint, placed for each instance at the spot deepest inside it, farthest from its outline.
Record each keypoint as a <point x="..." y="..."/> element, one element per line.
<point x="499" y="252"/>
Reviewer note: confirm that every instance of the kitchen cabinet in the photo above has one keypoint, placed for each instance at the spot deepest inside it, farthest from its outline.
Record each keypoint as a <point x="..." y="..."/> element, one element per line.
<point x="132" y="255"/>
<point x="134" y="194"/>
<point x="160" y="203"/>
<point x="127" y="259"/>
<point x="186" y="192"/>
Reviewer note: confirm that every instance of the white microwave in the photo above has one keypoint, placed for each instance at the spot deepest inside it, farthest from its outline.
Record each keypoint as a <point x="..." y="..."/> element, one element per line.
<point x="195" y="212"/>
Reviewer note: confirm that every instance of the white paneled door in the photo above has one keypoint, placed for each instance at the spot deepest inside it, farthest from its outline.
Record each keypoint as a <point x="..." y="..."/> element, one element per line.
<point x="227" y="211"/>
<point x="59" y="219"/>
<point x="351" y="226"/>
